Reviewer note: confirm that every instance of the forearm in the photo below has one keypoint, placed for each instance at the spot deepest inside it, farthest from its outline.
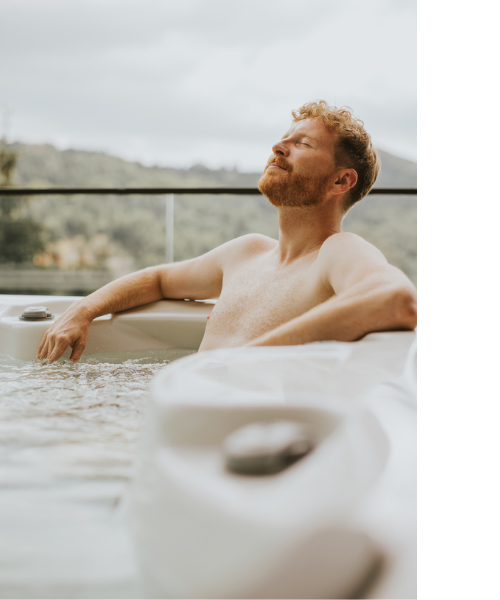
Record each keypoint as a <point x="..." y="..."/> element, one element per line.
<point x="127" y="292"/>
<point x="347" y="318"/>
<point x="72" y="327"/>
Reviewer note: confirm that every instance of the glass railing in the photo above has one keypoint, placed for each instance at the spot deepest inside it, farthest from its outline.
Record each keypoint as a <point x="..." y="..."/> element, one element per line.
<point x="198" y="210"/>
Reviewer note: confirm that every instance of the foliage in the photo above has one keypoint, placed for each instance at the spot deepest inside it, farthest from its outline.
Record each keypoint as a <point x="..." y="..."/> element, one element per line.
<point x="8" y="160"/>
<point x="21" y="237"/>
<point x="20" y="240"/>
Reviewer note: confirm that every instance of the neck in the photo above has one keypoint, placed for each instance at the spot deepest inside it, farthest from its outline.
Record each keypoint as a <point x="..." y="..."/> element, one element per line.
<point x="304" y="229"/>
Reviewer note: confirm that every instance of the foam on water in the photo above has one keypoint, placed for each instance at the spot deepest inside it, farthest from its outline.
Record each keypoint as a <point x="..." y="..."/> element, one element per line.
<point x="67" y="439"/>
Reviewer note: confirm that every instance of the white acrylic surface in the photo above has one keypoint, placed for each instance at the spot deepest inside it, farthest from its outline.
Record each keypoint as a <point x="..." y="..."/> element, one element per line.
<point x="159" y="325"/>
<point x="350" y="501"/>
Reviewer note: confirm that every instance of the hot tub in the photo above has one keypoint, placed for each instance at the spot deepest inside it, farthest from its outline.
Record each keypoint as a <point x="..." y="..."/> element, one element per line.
<point x="340" y="522"/>
<point x="167" y="324"/>
<point x="68" y="435"/>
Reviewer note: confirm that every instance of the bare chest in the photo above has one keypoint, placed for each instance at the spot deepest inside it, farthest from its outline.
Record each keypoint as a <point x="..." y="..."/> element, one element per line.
<point x="256" y="299"/>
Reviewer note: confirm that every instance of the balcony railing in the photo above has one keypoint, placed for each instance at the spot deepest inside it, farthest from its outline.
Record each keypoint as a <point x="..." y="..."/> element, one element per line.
<point x="121" y="191"/>
<point x="169" y="193"/>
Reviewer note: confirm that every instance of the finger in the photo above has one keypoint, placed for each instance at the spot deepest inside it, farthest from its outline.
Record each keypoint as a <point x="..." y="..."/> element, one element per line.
<point x="78" y="349"/>
<point x="44" y="352"/>
<point x="49" y="347"/>
<point x="41" y="346"/>
<point x="58" y="349"/>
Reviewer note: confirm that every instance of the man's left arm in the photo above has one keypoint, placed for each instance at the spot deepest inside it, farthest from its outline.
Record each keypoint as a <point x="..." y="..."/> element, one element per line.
<point x="369" y="295"/>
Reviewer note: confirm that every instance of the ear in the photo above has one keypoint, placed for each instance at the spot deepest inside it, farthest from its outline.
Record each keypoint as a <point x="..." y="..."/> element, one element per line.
<point x="345" y="179"/>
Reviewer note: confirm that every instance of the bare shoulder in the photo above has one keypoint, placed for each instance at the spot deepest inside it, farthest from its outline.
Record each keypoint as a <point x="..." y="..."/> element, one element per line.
<point x="346" y="259"/>
<point x="246" y="246"/>
<point x="254" y="240"/>
<point x="346" y="246"/>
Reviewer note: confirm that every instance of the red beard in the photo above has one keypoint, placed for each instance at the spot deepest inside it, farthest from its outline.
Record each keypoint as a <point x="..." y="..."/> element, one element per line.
<point x="286" y="188"/>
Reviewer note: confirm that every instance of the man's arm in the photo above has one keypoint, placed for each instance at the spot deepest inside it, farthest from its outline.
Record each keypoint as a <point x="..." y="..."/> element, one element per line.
<point x="370" y="295"/>
<point x="196" y="279"/>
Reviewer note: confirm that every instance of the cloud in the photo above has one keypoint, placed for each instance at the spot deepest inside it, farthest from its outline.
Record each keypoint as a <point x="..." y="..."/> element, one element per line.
<point x="209" y="81"/>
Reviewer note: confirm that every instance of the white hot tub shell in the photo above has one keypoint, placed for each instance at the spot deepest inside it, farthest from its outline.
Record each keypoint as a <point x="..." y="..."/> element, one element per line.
<point x="167" y="324"/>
<point x="341" y="522"/>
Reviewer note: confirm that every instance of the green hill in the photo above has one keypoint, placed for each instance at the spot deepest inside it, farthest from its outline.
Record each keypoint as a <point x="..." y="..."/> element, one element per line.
<point x="45" y="165"/>
<point x="103" y="232"/>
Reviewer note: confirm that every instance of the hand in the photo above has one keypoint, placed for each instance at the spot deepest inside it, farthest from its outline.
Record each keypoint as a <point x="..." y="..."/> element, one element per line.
<point x="70" y="329"/>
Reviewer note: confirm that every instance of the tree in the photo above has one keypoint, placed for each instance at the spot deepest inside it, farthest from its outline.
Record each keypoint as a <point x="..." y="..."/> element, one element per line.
<point x="8" y="161"/>
<point x="20" y="237"/>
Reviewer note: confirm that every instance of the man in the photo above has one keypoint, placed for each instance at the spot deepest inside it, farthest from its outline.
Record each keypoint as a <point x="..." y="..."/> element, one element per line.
<point x="315" y="283"/>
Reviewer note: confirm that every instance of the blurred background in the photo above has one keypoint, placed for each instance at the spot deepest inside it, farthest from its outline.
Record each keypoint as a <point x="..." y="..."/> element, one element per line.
<point x="161" y="93"/>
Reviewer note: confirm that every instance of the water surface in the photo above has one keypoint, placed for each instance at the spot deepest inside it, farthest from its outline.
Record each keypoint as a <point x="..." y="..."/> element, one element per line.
<point x="67" y="440"/>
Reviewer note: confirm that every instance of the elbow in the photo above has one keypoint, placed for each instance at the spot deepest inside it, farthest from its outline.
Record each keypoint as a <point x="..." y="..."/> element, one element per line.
<point x="406" y="308"/>
<point x="156" y="279"/>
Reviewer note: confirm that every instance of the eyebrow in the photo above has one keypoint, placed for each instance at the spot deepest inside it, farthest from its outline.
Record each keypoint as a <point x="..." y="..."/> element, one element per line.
<point x="301" y="135"/>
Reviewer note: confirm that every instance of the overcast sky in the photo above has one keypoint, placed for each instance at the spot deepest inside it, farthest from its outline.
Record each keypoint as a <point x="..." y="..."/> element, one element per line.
<point x="174" y="82"/>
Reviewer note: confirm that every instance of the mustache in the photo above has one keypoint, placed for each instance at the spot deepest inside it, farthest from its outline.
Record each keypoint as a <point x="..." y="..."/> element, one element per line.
<point x="281" y="162"/>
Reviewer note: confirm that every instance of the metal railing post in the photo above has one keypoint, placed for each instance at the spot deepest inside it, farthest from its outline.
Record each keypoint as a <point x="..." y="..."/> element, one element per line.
<point x="169" y="228"/>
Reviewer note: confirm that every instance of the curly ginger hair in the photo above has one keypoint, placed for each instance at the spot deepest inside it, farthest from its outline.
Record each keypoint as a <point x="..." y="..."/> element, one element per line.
<point x="353" y="147"/>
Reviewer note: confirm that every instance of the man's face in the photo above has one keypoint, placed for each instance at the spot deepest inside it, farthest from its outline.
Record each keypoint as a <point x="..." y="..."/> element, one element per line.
<point x="302" y="167"/>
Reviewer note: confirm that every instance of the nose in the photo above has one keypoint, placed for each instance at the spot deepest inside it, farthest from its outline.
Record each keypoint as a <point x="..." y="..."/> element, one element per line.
<point x="281" y="149"/>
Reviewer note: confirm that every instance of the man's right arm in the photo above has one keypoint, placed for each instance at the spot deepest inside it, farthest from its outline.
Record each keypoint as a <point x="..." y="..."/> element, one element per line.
<point x="195" y="279"/>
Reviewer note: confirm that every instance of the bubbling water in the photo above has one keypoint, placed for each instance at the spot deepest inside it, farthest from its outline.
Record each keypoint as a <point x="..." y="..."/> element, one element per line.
<point x="73" y="419"/>
<point x="68" y="434"/>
